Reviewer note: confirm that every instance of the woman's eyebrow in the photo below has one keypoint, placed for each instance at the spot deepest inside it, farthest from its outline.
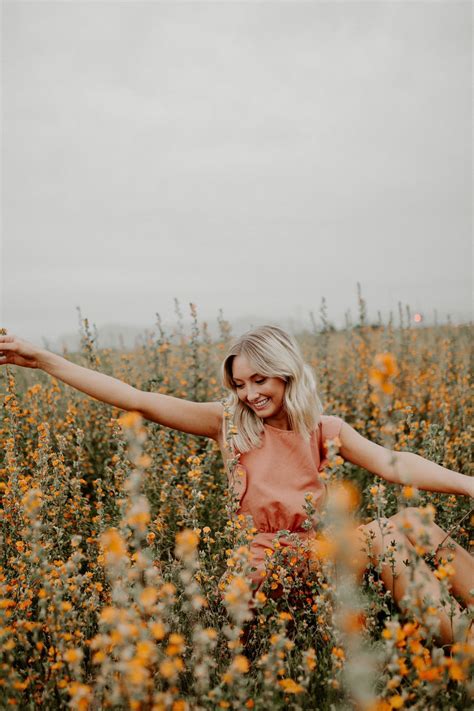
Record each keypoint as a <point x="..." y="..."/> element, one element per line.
<point x="252" y="376"/>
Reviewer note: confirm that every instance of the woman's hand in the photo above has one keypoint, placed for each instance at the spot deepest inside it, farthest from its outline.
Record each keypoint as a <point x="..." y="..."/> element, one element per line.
<point x="14" y="351"/>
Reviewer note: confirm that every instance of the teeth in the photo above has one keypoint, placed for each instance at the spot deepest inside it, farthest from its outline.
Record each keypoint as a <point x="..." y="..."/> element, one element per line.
<point x="261" y="402"/>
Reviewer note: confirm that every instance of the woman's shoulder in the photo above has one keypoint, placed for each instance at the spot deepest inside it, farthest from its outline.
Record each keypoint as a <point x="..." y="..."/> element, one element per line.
<point x="330" y="426"/>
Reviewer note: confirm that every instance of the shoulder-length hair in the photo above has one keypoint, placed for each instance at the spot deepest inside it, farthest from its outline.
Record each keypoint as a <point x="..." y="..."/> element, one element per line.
<point x="274" y="354"/>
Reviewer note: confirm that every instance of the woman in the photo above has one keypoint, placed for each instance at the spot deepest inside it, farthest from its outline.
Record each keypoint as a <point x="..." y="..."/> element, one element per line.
<point x="279" y="441"/>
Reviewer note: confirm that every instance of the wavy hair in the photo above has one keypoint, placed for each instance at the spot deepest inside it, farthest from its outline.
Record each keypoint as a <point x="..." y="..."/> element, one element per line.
<point x="274" y="354"/>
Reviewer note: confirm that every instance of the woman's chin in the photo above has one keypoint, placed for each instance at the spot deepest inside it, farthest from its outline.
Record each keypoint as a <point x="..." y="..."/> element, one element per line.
<point x="264" y="413"/>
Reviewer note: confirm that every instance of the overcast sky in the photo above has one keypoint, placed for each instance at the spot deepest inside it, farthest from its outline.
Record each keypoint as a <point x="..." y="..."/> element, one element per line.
<point x="249" y="156"/>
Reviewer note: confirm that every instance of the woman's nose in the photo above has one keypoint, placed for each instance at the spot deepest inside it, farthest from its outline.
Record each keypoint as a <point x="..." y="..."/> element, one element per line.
<point x="252" y="394"/>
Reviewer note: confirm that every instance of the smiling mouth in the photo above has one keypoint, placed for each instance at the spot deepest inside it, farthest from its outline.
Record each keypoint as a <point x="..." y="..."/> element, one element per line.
<point x="261" y="404"/>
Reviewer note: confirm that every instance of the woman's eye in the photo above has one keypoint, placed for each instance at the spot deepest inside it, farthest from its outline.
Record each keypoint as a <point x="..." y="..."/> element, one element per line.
<point x="241" y="385"/>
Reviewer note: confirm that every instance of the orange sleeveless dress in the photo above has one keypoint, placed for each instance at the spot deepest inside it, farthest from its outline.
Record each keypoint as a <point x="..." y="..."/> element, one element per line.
<point x="272" y="480"/>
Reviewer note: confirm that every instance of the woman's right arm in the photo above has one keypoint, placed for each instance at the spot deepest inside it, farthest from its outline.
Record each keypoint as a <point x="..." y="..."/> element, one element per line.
<point x="198" y="418"/>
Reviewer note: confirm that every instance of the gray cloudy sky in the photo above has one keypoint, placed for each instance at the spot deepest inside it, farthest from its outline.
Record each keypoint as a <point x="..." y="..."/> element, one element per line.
<point x="250" y="156"/>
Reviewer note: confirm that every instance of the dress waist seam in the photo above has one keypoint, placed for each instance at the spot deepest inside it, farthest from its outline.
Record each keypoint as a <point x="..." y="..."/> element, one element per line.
<point x="302" y="532"/>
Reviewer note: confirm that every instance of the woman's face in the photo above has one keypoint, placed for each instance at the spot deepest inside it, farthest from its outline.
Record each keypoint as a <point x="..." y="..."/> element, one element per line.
<point x="262" y="394"/>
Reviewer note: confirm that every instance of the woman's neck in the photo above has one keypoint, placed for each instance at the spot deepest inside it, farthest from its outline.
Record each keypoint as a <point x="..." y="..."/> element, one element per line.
<point x="280" y="422"/>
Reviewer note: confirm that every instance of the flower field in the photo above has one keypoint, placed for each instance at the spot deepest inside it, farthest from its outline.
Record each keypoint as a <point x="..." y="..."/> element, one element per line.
<point x="116" y="534"/>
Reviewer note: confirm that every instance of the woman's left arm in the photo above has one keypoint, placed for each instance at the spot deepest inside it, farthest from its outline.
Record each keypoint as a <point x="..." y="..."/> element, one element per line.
<point x="402" y="467"/>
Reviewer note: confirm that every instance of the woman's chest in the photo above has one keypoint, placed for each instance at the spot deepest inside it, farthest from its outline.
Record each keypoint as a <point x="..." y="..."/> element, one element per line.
<point x="284" y="462"/>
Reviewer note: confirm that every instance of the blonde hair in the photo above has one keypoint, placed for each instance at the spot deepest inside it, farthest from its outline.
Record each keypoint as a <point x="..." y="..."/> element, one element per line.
<point x="274" y="354"/>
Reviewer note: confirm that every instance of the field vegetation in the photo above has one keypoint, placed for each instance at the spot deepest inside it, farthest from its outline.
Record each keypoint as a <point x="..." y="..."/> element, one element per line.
<point x="116" y="534"/>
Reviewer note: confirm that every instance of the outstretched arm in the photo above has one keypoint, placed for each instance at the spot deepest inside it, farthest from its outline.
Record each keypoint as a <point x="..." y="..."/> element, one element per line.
<point x="198" y="418"/>
<point x="402" y="467"/>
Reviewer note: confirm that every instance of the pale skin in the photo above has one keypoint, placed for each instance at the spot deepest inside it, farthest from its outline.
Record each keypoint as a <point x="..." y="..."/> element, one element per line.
<point x="264" y="395"/>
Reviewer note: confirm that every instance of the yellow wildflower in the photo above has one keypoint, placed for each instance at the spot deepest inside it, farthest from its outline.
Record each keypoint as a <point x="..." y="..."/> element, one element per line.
<point x="186" y="543"/>
<point x="148" y="596"/>
<point x="290" y="687"/>
<point x="240" y="664"/>
<point x="72" y="656"/>
<point x="113" y="546"/>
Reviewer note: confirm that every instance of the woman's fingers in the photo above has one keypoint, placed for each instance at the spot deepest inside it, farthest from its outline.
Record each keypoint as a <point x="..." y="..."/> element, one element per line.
<point x="7" y="348"/>
<point x="16" y="352"/>
<point x="15" y="359"/>
<point x="7" y="342"/>
<point x="18" y="346"/>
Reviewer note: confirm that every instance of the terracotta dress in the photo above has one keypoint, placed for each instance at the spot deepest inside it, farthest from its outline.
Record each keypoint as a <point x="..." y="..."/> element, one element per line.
<point x="272" y="480"/>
